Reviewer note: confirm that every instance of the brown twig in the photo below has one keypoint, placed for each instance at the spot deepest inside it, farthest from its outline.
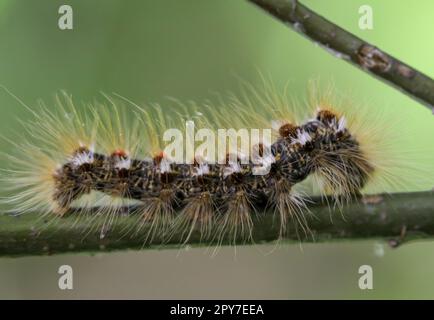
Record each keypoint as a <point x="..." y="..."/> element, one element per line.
<point x="409" y="215"/>
<point x="344" y="45"/>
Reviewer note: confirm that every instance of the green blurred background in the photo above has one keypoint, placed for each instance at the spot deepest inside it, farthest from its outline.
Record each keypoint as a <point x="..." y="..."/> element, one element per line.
<point x="147" y="50"/>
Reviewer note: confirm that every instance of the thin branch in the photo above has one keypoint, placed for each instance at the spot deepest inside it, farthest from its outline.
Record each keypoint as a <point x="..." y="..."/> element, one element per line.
<point x="344" y="45"/>
<point x="397" y="218"/>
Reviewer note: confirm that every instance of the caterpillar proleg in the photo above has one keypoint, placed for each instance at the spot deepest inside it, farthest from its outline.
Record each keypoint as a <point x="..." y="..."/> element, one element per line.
<point x="111" y="156"/>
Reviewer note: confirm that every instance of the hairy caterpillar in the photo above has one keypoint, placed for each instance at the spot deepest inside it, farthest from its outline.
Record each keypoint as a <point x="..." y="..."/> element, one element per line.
<point x="109" y="156"/>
